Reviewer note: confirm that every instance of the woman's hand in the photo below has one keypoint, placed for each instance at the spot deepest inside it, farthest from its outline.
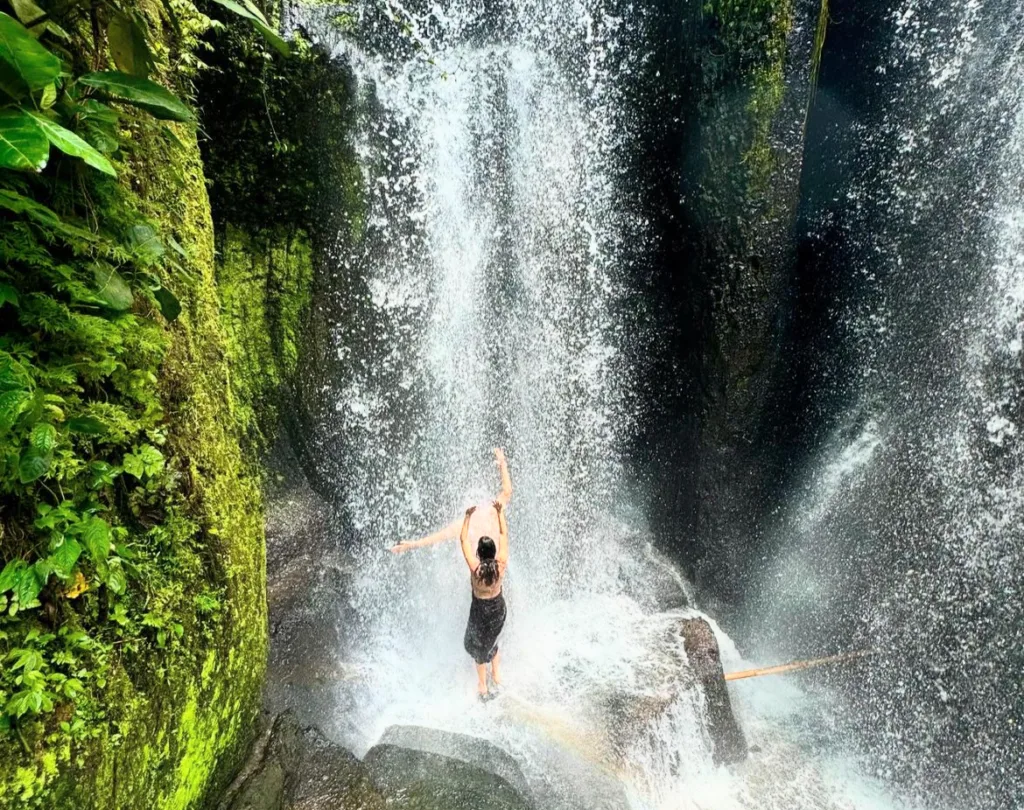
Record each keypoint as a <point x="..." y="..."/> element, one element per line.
<point x="404" y="546"/>
<point x="470" y="511"/>
<point x="499" y="456"/>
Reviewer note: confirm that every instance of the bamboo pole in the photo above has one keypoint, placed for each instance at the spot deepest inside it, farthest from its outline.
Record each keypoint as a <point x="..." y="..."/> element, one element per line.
<point x="796" y="665"/>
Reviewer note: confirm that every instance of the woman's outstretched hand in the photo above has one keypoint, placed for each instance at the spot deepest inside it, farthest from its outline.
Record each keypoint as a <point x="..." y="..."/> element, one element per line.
<point x="470" y="511"/>
<point x="398" y="548"/>
<point x="499" y="456"/>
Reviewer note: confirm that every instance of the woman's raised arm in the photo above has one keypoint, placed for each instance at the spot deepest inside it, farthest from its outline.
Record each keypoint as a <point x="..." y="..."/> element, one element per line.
<point x="502" y="533"/>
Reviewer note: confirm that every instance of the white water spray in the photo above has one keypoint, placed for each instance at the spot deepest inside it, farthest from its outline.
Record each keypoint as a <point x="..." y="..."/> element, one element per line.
<point x="494" y="274"/>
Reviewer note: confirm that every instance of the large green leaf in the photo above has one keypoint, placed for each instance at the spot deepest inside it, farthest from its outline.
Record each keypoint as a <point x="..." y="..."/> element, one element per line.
<point x="87" y="425"/>
<point x="9" y="295"/>
<point x="170" y="306"/>
<point x="27" y="588"/>
<point x="43" y="437"/>
<point x="35" y="65"/>
<point x="145" y="244"/>
<point x="116" y="580"/>
<point x="128" y="45"/>
<point x="96" y="538"/>
<point x="113" y="289"/>
<point x="65" y="556"/>
<point x="139" y="92"/>
<point x="271" y="36"/>
<point x="23" y="144"/>
<point x="27" y="11"/>
<point x="12" y="403"/>
<point x="34" y="464"/>
<point x="11" y="574"/>
<point x="70" y="144"/>
<point x="249" y="11"/>
<point x="99" y="125"/>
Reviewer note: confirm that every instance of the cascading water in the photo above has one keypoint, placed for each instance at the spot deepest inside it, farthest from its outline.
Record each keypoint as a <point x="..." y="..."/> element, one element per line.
<point x="903" y="530"/>
<point x="485" y="308"/>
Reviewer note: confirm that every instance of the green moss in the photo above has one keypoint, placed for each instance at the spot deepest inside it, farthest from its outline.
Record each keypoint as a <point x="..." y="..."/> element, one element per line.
<point x="162" y="738"/>
<point x="264" y="283"/>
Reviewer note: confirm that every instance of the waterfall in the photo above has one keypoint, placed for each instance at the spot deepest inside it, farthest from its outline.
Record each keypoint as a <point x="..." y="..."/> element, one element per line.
<point x="902" y="530"/>
<point x="487" y="304"/>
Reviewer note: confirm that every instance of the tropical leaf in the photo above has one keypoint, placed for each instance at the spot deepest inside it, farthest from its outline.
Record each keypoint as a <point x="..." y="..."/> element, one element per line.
<point x="18" y="204"/>
<point x="271" y="36"/>
<point x="113" y="289"/>
<point x="43" y="437"/>
<point x="35" y="65"/>
<point x="170" y="306"/>
<point x="96" y="538"/>
<point x="23" y="144"/>
<point x="142" y="93"/>
<point x="70" y="144"/>
<point x="12" y="403"/>
<point x="34" y="465"/>
<point x="248" y="10"/>
<point x="8" y="295"/>
<point x="11" y="574"/>
<point x="116" y="580"/>
<point x="88" y="425"/>
<point x="250" y="13"/>
<point x="128" y="45"/>
<point x="99" y="124"/>
<point x="26" y="11"/>
<point x="49" y="96"/>
<point x="65" y="557"/>
<point x="27" y="588"/>
<point x="145" y="244"/>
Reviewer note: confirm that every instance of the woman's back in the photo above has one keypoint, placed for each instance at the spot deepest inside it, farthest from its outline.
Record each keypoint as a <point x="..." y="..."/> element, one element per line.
<point x="482" y="589"/>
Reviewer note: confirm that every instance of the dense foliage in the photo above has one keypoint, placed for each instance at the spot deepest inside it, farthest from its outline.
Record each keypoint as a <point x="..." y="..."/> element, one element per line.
<point x="93" y="506"/>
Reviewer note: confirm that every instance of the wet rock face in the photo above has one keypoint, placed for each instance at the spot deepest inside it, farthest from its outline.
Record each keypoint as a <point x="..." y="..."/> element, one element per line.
<point x="300" y="769"/>
<point x="729" y="161"/>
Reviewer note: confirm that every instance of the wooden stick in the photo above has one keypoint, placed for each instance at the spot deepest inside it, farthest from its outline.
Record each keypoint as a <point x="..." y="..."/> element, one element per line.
<point x="815" y="662"/>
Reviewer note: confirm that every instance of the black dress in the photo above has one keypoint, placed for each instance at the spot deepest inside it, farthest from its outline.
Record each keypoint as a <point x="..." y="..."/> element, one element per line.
<point x="486" y="618"/>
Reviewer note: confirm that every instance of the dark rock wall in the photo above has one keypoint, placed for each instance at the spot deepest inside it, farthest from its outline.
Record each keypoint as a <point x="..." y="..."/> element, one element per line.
<point x="724" y="166"/>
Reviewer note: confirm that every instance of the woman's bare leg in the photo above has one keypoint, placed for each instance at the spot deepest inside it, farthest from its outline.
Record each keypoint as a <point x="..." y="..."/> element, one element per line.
<point x="496" y="668"/>
<point x="481" y="679"/>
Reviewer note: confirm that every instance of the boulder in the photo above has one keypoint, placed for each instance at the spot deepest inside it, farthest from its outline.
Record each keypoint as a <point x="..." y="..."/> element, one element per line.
<point x="632" y="717"/>
<point x="420" y="768"/>
<point x="300" y="769"/>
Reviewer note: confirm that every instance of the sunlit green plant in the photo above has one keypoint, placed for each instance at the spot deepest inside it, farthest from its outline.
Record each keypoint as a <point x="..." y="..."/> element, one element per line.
<point x="86" y="291"/>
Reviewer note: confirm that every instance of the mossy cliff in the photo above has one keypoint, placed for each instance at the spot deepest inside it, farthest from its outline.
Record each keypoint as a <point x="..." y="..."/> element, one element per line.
<point x="147" y="669"/>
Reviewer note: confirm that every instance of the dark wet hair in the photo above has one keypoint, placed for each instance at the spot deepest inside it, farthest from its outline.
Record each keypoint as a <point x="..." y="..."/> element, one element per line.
<point x="486" y="552"/>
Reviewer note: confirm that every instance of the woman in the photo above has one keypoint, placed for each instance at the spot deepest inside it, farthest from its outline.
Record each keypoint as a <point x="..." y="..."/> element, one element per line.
<point x="487" y="564"/>
<point x="487" y="610"/>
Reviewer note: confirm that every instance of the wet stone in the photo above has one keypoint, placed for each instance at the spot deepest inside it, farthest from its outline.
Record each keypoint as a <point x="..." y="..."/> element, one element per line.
<point x="409" y="768"/>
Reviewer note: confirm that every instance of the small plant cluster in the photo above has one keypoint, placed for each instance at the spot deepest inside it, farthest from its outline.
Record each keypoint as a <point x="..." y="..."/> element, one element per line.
<point x="89" y="499"/>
